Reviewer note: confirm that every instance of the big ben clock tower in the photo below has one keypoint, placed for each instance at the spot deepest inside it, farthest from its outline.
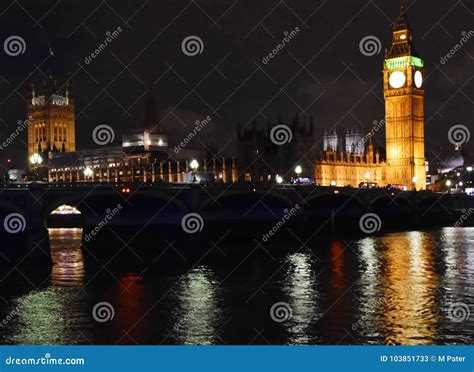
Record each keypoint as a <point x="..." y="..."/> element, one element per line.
<point x="404" y="118"/>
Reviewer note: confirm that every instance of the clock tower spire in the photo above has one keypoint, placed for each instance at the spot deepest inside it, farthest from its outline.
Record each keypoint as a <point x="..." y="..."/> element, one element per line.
<point x="404" y="115"/>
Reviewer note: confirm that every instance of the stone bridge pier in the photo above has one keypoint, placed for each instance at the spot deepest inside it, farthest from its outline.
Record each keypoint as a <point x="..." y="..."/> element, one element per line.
<point x="23" y="235"/>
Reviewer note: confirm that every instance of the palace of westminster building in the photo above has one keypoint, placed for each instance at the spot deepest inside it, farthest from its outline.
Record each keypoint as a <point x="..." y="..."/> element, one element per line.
<point x="146" y="156"/>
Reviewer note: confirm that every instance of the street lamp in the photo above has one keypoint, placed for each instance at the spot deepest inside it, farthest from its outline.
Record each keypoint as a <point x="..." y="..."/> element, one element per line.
<point x="469" y="169"/>
<point x="88" y="172"/>
<point x="194" y="166"/>
<point x="298" y="171"/>
<point x="367" y="176"/>
<point x="36" y="159"/>
<point x="279" y="179"/>
<point x="414" y="179"/>
<point x="449" y="183"/>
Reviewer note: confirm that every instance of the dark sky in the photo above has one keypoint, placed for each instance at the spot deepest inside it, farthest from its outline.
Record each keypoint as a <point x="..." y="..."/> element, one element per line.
<point x="320" y="71"/>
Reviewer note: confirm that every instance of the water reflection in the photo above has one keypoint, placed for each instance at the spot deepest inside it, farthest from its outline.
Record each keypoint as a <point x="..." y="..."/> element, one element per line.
<point x="56" y="314"/>
<point x="301" y="288"/>
<point x="370" y="269"/>
<point x="339" y="298"/>
<point x="456" y="246"/>
<point x="199" y="314"/>
<point x="408" y="284"/>
<point x="390" y="289"/>
<point x="67" y="257"/>
<point x="366" y="324"/>
<point x="131" y="302"/>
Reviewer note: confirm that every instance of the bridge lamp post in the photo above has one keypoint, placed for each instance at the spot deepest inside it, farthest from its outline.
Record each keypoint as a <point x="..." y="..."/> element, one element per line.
<point x="298" y="171"/>
<point x="279" y="179"/>
<point x="36" y="160"/>
<point x="414" y="179"/>
<point x="367" y="176"/>
<point x="194" y="166"/>
<point x="88" y="172"/>
<point x="448" y="183"/>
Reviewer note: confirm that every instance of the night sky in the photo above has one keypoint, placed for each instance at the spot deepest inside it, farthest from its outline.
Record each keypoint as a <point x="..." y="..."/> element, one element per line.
<point x="321" y="72"/>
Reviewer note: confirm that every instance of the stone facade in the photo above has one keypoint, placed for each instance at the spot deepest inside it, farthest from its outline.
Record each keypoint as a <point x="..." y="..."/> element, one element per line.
<point x="404" y="166"/>
<point x="51" y="115"/>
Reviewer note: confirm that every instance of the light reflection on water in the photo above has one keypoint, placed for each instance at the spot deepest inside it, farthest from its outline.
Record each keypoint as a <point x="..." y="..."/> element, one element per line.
<point x="54" y="313"/>
<point x="198" y="315"/>
<point x="301" y="286"/>
<point x="391" y="289"/>
<point x="371" y="301"/>
<point x="67" y="256"/>
<point x="409" y="284"/>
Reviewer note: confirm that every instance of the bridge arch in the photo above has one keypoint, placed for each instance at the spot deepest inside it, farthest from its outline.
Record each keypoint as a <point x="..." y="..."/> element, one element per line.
<point x="341" y="201"/>
<point x="431" y="205"/>
<point x="241" y="205"/>
<point x="9" y="206"/>
<point x="240" y="199"/>
<point x="95" y="205"/>
<point x="391" y="201"/>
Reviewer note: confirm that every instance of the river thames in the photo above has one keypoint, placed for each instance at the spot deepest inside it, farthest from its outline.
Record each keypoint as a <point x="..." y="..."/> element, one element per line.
<point x="405" y="288"/>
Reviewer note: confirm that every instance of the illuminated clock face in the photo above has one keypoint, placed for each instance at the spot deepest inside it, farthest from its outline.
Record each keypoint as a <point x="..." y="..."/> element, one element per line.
<point x="418" y="79"/>
<point x="397" y="79"/>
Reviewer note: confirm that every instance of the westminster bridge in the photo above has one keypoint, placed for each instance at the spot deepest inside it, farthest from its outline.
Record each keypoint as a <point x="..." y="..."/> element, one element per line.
<point x="159" y="213"/>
